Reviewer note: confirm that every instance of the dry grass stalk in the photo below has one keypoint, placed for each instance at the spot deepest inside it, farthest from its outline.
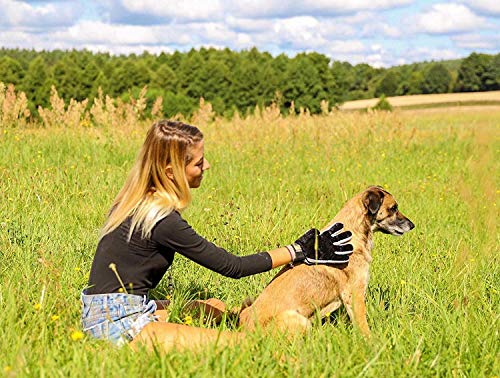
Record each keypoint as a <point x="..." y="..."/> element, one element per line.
<point x="13" y="107"/>
<point x="57" y="115"/>
<point x="204" y="114"/>
<point x="157" y="109"/>
<point x="108" y="112"/>
<point x="138" y="105"/>
<point x="325" y="107"/>
<point x="271" y="113"/>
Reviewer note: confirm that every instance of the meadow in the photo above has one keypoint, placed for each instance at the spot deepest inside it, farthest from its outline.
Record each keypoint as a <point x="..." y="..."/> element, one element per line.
<point x="433" y="299"/>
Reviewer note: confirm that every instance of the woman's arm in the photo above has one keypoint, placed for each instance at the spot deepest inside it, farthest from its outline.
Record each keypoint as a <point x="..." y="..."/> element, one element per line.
<point x="280" y="256"/>
<point x="177" y="235"/>
<point x="329" y="247"/>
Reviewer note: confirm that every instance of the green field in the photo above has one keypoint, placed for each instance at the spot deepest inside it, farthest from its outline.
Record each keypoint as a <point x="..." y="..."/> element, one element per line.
<point x="433" y="300"/>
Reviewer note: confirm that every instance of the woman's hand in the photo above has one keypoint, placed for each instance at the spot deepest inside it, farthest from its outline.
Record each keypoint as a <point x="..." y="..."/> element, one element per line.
<point x="329" y="247"/>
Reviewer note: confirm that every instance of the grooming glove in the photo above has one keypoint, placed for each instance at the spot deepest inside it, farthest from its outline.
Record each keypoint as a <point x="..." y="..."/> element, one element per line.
<point x="329" y="247"/>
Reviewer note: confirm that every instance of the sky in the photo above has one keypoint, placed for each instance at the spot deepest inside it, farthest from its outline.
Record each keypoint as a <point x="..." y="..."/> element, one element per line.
<point x="381" y="33"/>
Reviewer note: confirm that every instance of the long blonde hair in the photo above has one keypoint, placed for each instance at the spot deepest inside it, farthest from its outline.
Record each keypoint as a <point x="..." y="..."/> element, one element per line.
<point x="148" y="194"/>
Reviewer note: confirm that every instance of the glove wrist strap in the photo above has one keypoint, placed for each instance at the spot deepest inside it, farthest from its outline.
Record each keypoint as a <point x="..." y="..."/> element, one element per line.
<point x="296" y="253"/>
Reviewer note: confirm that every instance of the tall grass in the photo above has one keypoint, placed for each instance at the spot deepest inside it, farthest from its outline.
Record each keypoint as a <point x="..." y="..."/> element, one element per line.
<point x="433" y="300"/>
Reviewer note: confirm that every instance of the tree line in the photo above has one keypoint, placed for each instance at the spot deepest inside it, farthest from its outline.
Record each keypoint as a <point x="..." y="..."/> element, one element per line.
<point x="234" y="81"/>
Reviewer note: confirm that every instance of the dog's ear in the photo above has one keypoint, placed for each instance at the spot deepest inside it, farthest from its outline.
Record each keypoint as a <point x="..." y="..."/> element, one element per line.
<point x="372" y="199"/>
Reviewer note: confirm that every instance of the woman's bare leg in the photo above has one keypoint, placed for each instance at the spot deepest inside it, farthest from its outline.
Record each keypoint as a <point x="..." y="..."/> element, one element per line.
<point x="170" y="335"/>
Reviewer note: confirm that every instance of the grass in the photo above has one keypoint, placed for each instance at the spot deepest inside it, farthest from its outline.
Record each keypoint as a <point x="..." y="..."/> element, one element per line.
<point x="433" y="300"/>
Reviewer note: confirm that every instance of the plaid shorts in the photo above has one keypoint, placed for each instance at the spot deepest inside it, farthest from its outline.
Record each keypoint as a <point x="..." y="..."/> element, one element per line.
<point x="116" y="317"/>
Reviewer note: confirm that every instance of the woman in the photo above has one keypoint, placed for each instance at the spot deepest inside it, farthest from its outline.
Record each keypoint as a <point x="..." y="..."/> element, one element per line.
<point x="145" y="228"/>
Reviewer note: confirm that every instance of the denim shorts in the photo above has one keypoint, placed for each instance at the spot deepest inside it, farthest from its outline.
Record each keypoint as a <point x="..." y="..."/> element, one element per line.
<point x="116" y="317"/>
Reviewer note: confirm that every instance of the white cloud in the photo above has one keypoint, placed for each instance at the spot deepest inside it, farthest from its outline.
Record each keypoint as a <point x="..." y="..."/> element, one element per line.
<point x="478" y="42"/>
<point x="448" y="18"/>
<point x="249" y="24"/>
<point x="486" y="7"/>
<point x="298" y="32"/>
<point x="15" y="39"/>
<point x="18" y="14"/>
<point x="185" y="10"/>
<point x="378" y="29"/>
<point x="419" y="54"/>
<point x="343" y="47"/>
<point x="360" y="17"/>
<point x="342" y="6"/>
<point x="96" y="33"/>
<point x="284" y="9"/>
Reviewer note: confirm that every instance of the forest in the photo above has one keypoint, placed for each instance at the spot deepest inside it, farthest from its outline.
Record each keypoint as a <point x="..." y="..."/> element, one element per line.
<point x="233" y="81"/>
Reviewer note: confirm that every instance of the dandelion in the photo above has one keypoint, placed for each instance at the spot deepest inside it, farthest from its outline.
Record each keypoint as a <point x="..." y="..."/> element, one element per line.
<point x="76" y="335"/>
<point x="7" y="368"/>
<point x="54" y="317"/>
<point x="77" y="269"/>
<point x="37" y="306"/>
<point x="188" y="320"/>
<point x="112" y="266"/>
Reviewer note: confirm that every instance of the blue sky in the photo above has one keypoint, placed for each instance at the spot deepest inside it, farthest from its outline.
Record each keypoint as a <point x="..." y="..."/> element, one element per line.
<point x="378" y="32"/>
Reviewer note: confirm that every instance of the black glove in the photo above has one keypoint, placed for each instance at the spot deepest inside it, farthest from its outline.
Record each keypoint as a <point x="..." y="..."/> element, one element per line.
<point x="329" y="247"/>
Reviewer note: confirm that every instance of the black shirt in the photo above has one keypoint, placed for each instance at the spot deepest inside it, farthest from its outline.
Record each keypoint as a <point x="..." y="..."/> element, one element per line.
<point x="141" y="263"/>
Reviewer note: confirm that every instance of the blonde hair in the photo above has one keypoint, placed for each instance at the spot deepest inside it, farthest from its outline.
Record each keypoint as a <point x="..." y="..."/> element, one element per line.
<point x="148" y="194"/>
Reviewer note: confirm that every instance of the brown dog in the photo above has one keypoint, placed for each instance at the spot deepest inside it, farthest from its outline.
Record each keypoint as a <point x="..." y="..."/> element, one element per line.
<point x="297" y="292"/>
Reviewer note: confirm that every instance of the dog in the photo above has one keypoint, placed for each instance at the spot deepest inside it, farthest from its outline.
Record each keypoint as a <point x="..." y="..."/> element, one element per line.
<point x="297" y="292"/>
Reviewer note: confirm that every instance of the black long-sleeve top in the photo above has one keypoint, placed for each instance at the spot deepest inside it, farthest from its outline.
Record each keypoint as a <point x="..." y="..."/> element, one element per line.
<point x="141" y="263"/>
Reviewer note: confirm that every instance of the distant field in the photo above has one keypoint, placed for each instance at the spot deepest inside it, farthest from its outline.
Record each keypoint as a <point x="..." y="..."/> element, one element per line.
<point x="433" y="300"/>
<point x="431" y="100"/>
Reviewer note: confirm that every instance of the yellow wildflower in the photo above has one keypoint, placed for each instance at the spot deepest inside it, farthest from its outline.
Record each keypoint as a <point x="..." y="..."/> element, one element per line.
<point x="54" y="317"/>
<point x="37" y="306"/>
<point x="188" y="320"/>
<point x="76" y="335"/>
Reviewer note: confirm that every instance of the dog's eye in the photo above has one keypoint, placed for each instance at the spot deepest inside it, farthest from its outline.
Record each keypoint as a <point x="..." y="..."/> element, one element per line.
<point x="394" y="208"/>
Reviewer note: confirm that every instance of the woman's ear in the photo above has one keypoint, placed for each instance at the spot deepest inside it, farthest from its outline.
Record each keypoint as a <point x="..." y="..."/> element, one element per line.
<point x="170" y="172"/>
